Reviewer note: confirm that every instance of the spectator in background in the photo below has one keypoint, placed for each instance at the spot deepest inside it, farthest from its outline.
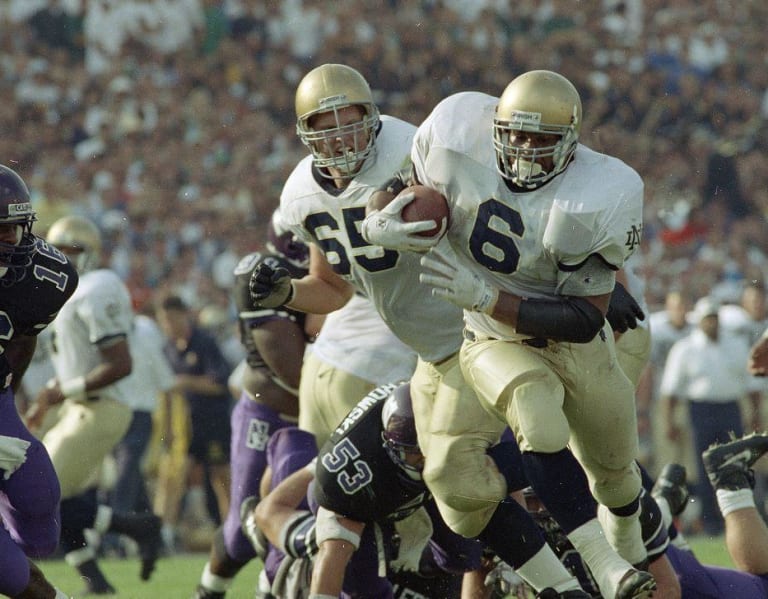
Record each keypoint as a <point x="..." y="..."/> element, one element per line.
<point x="706" y="369"/>
<point x="201" y="377"/>
<point x="667" y="326"/>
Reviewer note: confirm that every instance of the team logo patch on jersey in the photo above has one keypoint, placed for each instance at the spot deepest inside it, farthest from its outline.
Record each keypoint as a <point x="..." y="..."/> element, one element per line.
<point x="634" y="236"/>
<point x="258" y="435"/>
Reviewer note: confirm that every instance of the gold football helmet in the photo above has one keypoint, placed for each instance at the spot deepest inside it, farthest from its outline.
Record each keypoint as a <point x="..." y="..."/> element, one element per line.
<point x="79" y="238"/>
<point x="536" y="102"/>
<point x="345" y="147"/>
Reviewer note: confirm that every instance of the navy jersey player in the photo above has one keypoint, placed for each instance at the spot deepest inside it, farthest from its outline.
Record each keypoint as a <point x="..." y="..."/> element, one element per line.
<point x="35" y="281"/>
<point x="375" y="521"/>
<point x="274" y="340"/>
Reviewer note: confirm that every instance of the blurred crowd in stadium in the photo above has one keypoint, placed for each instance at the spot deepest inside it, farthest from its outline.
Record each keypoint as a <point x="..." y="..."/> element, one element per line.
<point x="171" y="123"/>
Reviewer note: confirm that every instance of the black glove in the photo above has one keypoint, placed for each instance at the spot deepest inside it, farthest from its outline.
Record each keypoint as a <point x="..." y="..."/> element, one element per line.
<point x="270" y="287"/>
<point x="623" y="311"/>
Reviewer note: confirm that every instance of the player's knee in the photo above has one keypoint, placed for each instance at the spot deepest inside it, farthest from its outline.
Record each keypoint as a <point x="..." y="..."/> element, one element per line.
<point x="543" y="440"/>
<point x="466" y="488"/>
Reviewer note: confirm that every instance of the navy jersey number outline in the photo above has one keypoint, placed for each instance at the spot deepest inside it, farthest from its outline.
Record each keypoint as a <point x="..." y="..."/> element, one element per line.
<point x="41" y="273"/>
<point x="341" y="455"/>
<point x="331" y="245"/>
<point x="487" y="231"/>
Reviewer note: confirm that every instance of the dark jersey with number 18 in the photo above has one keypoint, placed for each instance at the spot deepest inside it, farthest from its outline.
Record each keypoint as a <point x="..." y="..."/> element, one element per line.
<point x="355" y="477"/>
<point x="29" y="305"/>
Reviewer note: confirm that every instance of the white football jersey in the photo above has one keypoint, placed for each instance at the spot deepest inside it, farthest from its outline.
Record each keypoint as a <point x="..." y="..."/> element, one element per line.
<point x="356" y="340"/>
<point x="152" y="374"/>
<point x="99" y="309"/>
<point x="330" y="218"/>
<point x="524" y="243"/>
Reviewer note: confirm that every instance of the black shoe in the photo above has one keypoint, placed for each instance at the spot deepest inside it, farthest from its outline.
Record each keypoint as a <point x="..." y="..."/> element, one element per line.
<point x="672" y="486"/>
<point x="550" y="593"/>
<point x="729" y="465"/>
<point x="202" y="593"/>
<point x="95" y="582"/>
<point x="145" y="530"/>
<point x="636" y="584"/>
<point x="150" y="546"/>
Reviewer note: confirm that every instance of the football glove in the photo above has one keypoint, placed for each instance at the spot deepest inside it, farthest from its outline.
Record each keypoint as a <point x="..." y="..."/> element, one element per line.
<point x="457" y="285"/>
<point x="13" y="453"/>
<point x="623" y="310"/>
<point x="270" y="287"/>
<point x="387" y="228"/>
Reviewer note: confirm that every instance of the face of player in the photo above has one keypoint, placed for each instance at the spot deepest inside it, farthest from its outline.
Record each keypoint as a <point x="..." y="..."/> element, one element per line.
<point x="535" y="151"/>
<point x="346" y="136"/>
<point x="9" y="234"/>
<point x="414" y="459"/>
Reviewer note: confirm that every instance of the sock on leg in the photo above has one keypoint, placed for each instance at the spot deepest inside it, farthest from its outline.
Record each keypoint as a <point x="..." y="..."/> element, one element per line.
<point x="730" y="501"/>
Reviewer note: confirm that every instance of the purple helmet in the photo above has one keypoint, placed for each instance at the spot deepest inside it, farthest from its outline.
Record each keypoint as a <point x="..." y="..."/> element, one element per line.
<point x="16" y="209"/>
<point x="399" y="431"/>
<point x="282" y="241"/>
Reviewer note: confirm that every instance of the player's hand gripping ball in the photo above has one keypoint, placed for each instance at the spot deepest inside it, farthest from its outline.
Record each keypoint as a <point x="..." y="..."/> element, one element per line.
<point x="414" y="220"/>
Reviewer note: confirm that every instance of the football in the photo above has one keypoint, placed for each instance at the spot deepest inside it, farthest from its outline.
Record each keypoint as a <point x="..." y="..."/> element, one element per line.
<point x="429" y="204"/>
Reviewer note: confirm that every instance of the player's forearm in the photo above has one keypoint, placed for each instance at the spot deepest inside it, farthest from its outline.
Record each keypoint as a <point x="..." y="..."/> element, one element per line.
<point x="329" y="567"/>
<point x="571" y="319"/>
<point x="315" y="295"/>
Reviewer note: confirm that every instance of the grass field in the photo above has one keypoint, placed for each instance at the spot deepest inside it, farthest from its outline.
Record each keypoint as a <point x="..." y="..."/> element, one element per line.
<point x="176" y="577"/>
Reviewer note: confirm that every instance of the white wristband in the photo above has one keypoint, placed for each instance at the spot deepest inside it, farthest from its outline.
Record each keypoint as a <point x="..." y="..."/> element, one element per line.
<point x="73" y="388"/>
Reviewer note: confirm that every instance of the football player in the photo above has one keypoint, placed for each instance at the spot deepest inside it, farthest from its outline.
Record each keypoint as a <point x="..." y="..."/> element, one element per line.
<point x="275" y="341"/>
<point x="540" y="225"/>
<point x="365" y="489"/>
<point x="35" y="281"/>
<point x="354" y="151"/>
<point x="83" y="413"/>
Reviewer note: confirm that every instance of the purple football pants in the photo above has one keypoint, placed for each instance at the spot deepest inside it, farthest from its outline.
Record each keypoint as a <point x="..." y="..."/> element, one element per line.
<point x="29" y="505"/>
<point x="252" y="426"/>
<point x="711" y="582"/>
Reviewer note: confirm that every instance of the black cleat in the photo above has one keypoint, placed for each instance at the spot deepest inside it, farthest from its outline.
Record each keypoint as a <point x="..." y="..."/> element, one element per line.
<point x="672" y="486"/>
<point x="202" y="593"/>
<point x="550" y="593"/>
<point x="729" y="465"/>
<point x="636" y="584"/>
<point x="150" y="546"/>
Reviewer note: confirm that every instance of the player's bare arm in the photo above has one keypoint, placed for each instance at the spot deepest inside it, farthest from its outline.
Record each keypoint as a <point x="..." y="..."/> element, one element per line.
<point x="279" y="507"/>
<point x="322" y="291"/>
<point x="758" y="357"/>
<point x="332" y="559"/>
<point x="19" y="354"/>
